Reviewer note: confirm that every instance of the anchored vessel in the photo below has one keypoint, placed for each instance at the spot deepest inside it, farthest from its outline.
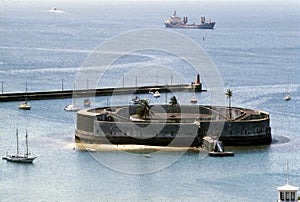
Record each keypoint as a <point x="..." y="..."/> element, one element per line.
<point x="175" y="21"/>
<point x="24" y="106"/>
<point x="25" y="158"/>
<point x="183" y="125"/>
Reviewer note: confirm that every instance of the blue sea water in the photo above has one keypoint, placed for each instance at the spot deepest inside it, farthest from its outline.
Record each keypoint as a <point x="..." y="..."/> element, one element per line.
<point x="255" y="47"/>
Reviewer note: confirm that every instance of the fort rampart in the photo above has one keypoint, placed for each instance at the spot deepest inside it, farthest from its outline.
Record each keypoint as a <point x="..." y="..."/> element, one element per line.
<point x="174" y="126"/>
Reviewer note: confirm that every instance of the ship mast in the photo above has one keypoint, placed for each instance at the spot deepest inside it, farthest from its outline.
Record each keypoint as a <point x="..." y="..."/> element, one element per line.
<point x="17" y="142"/>
<point x="26" y="143"/>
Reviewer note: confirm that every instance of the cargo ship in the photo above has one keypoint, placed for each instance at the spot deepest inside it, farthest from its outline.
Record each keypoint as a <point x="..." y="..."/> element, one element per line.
<point x="175" y="21"/>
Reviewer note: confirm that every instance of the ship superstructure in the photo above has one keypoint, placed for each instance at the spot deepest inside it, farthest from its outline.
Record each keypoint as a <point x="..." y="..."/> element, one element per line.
<point x="175" y="21"/>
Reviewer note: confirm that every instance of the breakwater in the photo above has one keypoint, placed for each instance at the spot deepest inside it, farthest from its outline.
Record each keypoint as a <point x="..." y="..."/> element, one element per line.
<point x="7" y="97"/>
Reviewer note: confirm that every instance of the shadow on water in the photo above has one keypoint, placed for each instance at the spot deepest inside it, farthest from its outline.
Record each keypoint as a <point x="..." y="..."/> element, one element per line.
<point x="279" y="139"/>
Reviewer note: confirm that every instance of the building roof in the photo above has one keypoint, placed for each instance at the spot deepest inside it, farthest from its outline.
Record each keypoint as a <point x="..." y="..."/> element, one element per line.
<point x="287" y="187"/>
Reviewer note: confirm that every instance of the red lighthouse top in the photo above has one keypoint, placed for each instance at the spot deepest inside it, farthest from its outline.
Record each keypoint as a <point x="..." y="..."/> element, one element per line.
<point x="198" y="79"/>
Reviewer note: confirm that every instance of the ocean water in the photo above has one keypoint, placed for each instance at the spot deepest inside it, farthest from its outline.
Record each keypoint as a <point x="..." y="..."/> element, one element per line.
<point x="255" y="47"/>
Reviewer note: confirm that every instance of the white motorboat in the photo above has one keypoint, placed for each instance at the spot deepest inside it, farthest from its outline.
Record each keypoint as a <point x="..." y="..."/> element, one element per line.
<point x="194" y="99"/>
<point x="147" y="156"/>
<point x="287" y="97"/>
<point x="18" y="158"/>
<point x="87" y="102"/>
<point x="55" y="10"/>
<point x="136" y="100"/>
<point x="156" y="94"/>
<point x="71" y="108"/>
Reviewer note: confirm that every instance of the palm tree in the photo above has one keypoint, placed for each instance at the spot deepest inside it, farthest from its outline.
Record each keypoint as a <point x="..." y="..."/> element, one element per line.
<point x="144" y="110"/>
<point x="173" y="102"/>
<point x="229" y="95"/>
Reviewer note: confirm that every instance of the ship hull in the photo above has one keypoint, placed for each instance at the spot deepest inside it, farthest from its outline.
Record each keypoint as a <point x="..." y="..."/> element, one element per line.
<point x="191" y="26"/>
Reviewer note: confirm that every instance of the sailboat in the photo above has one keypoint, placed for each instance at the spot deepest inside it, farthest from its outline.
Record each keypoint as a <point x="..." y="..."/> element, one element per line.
<point x="25" y="158"/>
<point x="287" y="97"/>
<point x="24" y="105"/>
<point x="87" y="102"/>
<point x="194" y="99"/>
<point x="72" y="107"/>
<point x="136" y="100"/>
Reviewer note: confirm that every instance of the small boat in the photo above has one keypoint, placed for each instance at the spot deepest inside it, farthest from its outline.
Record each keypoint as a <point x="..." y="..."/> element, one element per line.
<point x="287" y="97"/>
<point x="24" y="106"/>
<point x="136" y="100"/>
<point x="219" y="150"/>
<point x="90" y="149"/>
<point x="220" y="154"/>
<point x="194" y="99"/>
<point x="18" y="158"/>
<point x="71" y="108"/>
<point x="147" y="156"/>
<point x="156" y="94"/>
<point x="87" y="102"/>
<point x="54" y="10"/>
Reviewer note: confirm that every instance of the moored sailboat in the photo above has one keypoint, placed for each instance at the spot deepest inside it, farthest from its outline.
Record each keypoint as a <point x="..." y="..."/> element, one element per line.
<point x="19" y="158"/>
<point x="24" y="105"/>
<point x="87" y="102"/>
<point x="194" y="99"/>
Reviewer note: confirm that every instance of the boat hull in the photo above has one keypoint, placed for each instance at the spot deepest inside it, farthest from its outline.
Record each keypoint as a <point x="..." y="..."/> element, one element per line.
<point x="220" y="154"/>
<point x="19" y="159"/>
<point x="71" y="108"/>
<point x="24" y="106"/>
<point x="210" y="25"/>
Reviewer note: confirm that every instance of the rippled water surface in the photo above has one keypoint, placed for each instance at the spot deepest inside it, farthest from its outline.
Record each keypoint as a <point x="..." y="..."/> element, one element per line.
<point x="254" y="46"/>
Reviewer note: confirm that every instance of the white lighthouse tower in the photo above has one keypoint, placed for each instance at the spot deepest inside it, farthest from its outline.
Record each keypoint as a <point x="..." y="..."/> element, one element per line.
<point x="287" y="193"/>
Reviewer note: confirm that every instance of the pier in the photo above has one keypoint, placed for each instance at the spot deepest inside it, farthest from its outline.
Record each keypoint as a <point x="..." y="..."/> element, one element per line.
<point x="8" y="97"/>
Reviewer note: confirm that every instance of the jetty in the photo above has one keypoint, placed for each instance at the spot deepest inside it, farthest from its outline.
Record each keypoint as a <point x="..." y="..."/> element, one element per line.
<point x="8" y="97"/>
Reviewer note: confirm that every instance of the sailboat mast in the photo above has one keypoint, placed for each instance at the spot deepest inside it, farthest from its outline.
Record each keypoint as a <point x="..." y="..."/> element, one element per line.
<point x="26" y="144"/>
<point x="26" y="91"/>
<point x="87" y="83"/>
<point x="17" y="141"/>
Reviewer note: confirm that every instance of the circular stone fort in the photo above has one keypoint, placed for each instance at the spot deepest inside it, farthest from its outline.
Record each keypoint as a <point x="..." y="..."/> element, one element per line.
<point x="181" y="125"/>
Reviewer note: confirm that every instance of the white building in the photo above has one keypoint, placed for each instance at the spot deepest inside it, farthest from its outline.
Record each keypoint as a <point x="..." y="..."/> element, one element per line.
<point x="287" y="193"/>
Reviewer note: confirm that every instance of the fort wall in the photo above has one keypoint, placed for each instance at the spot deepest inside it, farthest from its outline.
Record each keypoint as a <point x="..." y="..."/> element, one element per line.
<point x="187" y="127"/>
